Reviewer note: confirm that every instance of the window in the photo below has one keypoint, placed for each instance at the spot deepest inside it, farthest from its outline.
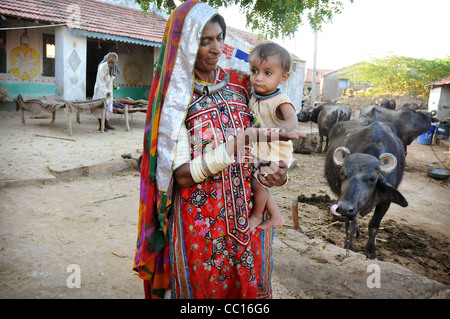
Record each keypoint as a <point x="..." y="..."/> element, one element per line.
<point x="48" y="58"/>
<point x="343" y="84"/>
<point x="3" y="51"/>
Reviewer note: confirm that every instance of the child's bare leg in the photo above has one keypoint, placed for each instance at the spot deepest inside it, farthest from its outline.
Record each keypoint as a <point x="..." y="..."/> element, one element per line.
<point x="275" y="218"/>
<point x="260" y="196"/>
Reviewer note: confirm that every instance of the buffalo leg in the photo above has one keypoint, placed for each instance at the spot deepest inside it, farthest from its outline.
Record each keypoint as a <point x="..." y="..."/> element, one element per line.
<point x="347" y="233"/>
<point x="374" y="225"/>
<point x="319" y="148"/>
<point x="351" y="229"/>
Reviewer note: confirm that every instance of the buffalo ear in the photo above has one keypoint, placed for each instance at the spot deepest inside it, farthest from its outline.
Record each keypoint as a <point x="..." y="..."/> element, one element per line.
<point x="391" y="192"/>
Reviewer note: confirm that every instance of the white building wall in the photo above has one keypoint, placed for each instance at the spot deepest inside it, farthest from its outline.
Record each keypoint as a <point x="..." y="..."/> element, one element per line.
<point x="294" y="85"/>
<point x="136" y="65"/>
<point x="433" y="100"/>
<point x="70" y="65"/>
<point x="439" y="101"/>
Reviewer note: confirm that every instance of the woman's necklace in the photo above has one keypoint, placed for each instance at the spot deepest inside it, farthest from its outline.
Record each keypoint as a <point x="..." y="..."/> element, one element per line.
<point x="206" y="90"/>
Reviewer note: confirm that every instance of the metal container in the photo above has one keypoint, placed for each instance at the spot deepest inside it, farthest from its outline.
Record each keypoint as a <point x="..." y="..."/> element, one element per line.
<point x="438" y="173"/>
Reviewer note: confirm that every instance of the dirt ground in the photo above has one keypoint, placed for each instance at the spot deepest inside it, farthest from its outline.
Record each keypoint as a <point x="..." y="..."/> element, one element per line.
<point x="52" y="230"/>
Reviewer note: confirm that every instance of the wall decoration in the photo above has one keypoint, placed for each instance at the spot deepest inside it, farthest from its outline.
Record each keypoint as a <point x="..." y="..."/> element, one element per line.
<point x="228" y="51"/>
<point x="25" y="63"/>
<point x="74" y="60"/>
<point x="132" y="73"/>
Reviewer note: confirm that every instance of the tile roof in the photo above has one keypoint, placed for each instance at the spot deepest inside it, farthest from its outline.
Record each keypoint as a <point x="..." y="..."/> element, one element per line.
<point x="251" y="38"/>
<point x="94" y="16"/>
<point x="442" y="82"/>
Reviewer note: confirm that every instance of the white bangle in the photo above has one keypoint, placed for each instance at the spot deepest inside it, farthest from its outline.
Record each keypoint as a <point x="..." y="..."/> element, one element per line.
<point x="197" y="173"/>
<point x="218" y="159"/>
<point x="209" y="164"/>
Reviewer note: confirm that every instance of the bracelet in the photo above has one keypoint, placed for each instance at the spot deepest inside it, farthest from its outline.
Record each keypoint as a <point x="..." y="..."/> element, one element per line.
<point x="210" y="164"/>
<point x="197" y="172"/>
<point x="285" y="181"/>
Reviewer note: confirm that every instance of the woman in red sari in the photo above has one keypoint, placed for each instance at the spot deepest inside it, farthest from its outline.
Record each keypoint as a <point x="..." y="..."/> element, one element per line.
<point x="193" y="235"/>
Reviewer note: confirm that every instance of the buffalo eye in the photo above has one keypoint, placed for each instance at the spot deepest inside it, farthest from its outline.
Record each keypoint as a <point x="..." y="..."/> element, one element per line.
<point x="373" y="179"/>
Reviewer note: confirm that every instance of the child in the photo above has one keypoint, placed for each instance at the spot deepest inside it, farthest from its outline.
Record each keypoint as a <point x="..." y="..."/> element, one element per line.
<point x="270" y="66"/>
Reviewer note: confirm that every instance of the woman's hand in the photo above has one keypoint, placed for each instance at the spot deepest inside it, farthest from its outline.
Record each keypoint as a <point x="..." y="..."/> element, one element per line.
<point x="183" y="176"/>
<point x="274" y="174"/>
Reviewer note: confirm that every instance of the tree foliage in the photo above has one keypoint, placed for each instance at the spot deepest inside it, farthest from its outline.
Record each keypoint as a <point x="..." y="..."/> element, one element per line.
<point x="398" y="74"/>
<point x="272" y="18"/>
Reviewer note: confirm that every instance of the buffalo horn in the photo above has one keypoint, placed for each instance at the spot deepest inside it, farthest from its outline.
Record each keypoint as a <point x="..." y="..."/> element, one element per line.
<point x="388" y="162"/>
<point x="339" y="155"/>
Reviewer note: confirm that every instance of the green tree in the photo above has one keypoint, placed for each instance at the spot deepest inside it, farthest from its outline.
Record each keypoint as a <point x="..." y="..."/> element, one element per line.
<point x="397" y="74"/>
<point x="272" y="18"/>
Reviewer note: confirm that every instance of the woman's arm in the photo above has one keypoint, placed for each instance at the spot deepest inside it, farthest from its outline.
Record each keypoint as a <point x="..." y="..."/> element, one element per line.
<point x="198" y="169"/>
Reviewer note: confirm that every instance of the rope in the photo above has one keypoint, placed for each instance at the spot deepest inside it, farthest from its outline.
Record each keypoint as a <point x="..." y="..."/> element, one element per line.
<point x="438" y="157"/>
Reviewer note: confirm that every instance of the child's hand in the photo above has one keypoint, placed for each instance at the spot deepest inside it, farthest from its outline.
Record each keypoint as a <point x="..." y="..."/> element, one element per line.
<point x="283" y="135"/>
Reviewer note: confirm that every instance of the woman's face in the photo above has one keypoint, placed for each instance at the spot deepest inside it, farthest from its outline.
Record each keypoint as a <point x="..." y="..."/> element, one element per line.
<point x="210" y="49"/>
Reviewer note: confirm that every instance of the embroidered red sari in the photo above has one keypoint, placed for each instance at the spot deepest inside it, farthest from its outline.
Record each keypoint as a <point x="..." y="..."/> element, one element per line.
<point x="213" y="254"/>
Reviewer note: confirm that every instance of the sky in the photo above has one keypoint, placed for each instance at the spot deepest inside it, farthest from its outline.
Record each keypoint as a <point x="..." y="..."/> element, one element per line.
<point x="370" y="28"/>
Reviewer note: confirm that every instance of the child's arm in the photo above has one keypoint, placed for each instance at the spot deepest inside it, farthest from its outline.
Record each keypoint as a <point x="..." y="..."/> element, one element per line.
<point x="286" y="112"/>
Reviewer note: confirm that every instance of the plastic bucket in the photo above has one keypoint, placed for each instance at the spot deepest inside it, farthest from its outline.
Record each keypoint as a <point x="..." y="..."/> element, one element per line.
<point x="427" y="137"/>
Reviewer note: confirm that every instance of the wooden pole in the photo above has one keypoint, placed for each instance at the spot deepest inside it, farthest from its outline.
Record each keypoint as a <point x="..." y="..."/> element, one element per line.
<point x="59" y="138"/>
<point x="313" y="93"/>
<point x="22" y="115"/>
<point x="69" y="119"/>
<point x="294" y="207"/>
<point x="448" y="160"/>
<point x="127" y="118"/>
<point x="102" y="121"/>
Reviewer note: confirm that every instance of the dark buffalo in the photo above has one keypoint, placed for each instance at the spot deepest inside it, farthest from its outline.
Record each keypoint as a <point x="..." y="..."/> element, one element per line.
<point x="325" y="115"/>
<point x="309" y="114"/>
<point x="364" y="167"/>
<point x="408" y="122"/>
<point x="388" y="104"/>
<point x="415" y="106"/>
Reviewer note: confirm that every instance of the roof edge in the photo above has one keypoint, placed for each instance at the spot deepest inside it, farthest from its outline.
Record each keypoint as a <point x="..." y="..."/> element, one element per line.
<point x="106" y="36"/>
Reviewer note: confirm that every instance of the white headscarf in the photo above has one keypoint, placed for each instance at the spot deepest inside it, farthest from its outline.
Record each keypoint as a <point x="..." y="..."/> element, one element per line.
<point x="180" y="90"/>
<point x="113" y="70"/>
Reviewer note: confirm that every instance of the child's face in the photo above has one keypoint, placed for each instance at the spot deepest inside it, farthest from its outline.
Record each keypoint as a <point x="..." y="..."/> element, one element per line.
<point x="266" y="75"/>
